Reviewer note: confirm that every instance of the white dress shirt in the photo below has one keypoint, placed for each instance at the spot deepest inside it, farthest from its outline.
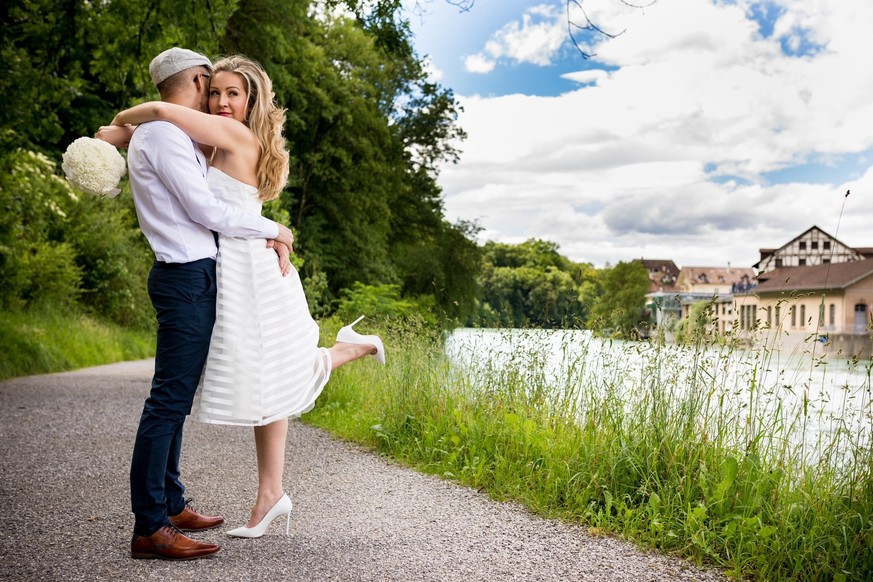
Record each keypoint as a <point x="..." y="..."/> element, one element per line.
<point x="177" y="212"/>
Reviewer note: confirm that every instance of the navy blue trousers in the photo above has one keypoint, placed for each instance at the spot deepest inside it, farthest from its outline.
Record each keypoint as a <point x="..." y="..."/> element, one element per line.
<point x="183" y="295"/>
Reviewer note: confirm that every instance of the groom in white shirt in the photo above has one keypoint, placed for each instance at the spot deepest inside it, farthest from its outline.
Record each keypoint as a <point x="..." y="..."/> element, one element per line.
<point x="179" y="216"/>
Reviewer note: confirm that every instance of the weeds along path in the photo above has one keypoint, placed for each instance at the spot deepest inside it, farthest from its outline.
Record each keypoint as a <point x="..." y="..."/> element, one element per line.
<point x="65" y="443"/>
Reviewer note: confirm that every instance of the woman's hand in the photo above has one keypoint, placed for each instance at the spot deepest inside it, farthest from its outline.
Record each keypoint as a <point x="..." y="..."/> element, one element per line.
<point x="284" y="253"/>
<point x="117" y="135"/>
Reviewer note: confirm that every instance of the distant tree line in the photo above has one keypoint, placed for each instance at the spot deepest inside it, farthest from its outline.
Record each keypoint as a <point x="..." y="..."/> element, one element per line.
<point x="367" y="131"/>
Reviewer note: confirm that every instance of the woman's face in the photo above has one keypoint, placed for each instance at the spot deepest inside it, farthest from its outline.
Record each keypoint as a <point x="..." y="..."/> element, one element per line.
<point x="227" y="96"/>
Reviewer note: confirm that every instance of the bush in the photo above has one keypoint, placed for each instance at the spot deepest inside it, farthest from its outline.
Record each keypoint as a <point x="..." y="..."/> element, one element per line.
<point x="60" y="247"/>
<point x="384" y="301"/>
<point x="35" y="261"/>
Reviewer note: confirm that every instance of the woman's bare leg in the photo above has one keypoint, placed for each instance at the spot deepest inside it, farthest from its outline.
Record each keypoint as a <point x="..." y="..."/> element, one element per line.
<point x="270" y="446"/>
<point x="343" y="353"/>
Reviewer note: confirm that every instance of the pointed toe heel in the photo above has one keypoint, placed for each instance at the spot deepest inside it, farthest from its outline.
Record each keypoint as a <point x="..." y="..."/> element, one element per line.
<point x="348" y="335"/>
<point x="282" y="507"/>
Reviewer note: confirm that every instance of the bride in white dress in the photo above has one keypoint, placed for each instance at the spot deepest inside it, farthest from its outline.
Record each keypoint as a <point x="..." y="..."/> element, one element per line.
<point x="264" y="363"/>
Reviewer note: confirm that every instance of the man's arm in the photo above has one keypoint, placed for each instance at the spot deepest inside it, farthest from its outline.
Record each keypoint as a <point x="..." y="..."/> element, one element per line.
<point x="173" y="157"/>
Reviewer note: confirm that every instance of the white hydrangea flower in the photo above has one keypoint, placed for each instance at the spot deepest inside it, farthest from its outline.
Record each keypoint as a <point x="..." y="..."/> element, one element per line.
<point x="94" y="166"/>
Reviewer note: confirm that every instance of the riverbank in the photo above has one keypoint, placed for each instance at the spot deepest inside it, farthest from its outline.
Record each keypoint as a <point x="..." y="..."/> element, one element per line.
<point x="700" y="451"/>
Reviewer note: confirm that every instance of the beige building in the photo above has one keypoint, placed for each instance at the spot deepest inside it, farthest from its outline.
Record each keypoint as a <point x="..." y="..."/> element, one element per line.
<point x="717" y="287"/>
<point x="832" y="301"/>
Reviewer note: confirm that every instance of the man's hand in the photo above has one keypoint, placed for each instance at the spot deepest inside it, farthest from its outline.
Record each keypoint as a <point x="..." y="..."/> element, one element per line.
<point x="284" y="252"/>
<point x="285" y="236"/>
<point x="117" y="135"/>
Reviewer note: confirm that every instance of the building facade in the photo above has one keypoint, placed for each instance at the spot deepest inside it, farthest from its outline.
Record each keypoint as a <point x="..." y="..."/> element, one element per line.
<point x="717" y="287"/>
<point x="830" y="302"/>
<point x="812" y="247"/>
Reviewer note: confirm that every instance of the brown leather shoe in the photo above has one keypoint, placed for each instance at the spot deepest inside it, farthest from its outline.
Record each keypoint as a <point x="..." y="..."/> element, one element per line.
<point x="192" y="520"/>
<point x="168" y="543"/>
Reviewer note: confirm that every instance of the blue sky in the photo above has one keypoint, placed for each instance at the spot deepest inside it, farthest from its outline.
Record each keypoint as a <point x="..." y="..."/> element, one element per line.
<point x="706" y="130"/>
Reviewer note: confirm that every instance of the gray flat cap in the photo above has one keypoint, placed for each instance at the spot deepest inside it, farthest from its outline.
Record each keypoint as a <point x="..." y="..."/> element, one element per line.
<point x="174" y="60"/>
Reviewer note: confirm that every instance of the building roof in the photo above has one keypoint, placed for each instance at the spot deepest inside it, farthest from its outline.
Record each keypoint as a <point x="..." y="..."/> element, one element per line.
<point x="827" y="276"/>
<point x="662" y="274"/>
<point x="715" y="275"/>
<point x="662" y="265"/>
<point x="769" y="252"/>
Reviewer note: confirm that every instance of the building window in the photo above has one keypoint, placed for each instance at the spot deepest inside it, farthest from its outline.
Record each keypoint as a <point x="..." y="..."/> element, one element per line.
<point x="826" y="245"/>
<point x="821" y="314"/>
<point x="769" y="315"/>
<point x="825" y="261"/>
<point x="833" y="314"/>
<point x="803" y="245"/>
<point x="793" y="316"/>
<point x="778" y="263"/>
<point x="802" y="262"/>
<point x="803" y="316"/>
<point x="814" y="245"/>
<point x="861" y="321"/>
<point x="778" y="317"/>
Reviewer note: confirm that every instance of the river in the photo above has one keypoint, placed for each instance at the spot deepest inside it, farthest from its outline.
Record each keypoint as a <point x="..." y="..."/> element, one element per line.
<point x="818" y="405"/>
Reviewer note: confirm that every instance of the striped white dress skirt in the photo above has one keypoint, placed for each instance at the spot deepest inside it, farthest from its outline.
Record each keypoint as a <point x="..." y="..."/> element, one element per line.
<point x="264" y="362"/>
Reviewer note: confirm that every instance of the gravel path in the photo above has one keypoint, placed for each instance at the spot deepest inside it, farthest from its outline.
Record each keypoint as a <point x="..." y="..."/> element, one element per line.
<point x="65" y="444"/>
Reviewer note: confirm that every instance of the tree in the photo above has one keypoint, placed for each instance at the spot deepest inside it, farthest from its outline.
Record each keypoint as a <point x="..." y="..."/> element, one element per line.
<point x="366" y="129"/>
<point x="69" y="65"/>
<point x="530" y="284"/>
<point x="619" y="309"/>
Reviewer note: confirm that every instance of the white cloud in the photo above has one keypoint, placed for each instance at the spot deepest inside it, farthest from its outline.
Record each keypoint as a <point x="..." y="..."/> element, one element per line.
<point x="536" y="39"/>
<point x="626" y="165"/>
<point x="478" y="63"/>
<point x="592" y="76"/>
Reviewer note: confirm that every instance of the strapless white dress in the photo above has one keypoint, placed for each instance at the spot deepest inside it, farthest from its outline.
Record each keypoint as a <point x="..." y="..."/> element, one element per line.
<point x="264" y="362"/>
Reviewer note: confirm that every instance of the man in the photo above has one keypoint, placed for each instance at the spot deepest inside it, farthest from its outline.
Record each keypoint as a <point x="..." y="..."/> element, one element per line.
<point x="179" y="216"/>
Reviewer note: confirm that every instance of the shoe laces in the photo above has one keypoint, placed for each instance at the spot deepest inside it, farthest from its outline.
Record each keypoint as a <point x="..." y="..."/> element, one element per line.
<point x="173" y="530"/>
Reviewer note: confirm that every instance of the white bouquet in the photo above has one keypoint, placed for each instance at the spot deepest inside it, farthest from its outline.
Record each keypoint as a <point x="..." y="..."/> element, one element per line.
<point x="94" y="166"/>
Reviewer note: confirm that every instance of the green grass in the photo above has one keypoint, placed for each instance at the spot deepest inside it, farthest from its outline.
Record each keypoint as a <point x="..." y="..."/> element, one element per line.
<point x="644" y="444"/>
<point x="45" y="341"/>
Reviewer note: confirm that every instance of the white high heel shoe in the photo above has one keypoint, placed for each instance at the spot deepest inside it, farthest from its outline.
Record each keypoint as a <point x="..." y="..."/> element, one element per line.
<point x="350" y="336"/>
<point x="282" y="507"/>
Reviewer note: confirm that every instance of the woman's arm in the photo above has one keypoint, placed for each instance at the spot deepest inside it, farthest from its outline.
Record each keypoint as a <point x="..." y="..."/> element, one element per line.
<point x="214" y="130"/>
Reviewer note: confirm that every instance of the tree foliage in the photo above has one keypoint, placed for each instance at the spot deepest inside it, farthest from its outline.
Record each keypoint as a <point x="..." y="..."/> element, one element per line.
<point x="531" y="284"/>
<point x="619" y="307"/>
<point x="61" y="248"/>
<point x="366" y="128"/>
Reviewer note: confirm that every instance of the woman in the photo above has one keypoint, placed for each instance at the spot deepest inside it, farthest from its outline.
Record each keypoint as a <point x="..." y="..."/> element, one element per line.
<point x="264" y="362"/>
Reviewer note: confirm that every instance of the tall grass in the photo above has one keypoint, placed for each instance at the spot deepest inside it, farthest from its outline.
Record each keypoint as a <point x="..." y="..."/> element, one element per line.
<point x="678" y="449"/>
<point x="47" y="340"/>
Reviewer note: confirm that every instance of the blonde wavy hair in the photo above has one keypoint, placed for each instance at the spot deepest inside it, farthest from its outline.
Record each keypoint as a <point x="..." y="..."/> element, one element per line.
<point x="266" y="120"/>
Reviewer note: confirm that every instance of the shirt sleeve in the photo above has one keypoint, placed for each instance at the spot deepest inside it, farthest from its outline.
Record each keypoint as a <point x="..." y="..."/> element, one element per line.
<point x="178" y="167"/>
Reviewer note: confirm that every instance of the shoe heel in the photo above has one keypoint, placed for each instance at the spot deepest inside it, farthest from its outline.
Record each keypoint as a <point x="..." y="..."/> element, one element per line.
<point x="288" y="524"/>
<point x="347" y="334"/>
